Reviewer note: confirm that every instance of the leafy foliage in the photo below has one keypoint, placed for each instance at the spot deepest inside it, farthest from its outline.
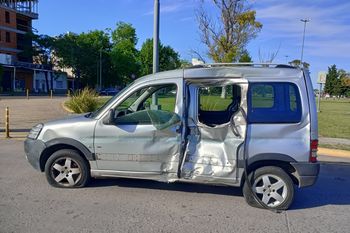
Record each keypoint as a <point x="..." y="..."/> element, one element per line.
<point x="297" y="63"/>
<point x="227" y="37"/>
<point x="337" y="82"/>
<point x="124" y="55"/>
<point x="168" y="58"/>
<point x="81" y="52"/>
<point x="114" y="49"/>
<point x="83" y="101"/>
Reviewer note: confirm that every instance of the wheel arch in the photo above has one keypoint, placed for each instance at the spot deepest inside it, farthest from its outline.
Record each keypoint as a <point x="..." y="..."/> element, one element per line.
<point x="64" y="143"/>
<point x="274" y="159"/>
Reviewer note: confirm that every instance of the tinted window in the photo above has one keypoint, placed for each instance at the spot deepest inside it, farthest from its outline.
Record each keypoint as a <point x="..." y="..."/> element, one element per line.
<point x="274" y="103"/>
<point x="7" y="17"/>
<point x="8" y="37"/>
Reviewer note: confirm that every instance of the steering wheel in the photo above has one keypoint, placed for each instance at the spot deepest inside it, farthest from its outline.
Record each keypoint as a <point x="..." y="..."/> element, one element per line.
<point x="123" y="112"/>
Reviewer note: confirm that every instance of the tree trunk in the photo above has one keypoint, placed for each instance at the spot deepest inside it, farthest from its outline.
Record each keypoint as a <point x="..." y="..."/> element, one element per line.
<point x="223" y="93"/>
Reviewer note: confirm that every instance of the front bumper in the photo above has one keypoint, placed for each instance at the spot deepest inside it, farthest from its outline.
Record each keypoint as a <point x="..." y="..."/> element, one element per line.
<point x="33" y="150"/>
<point x="306" y="173"/>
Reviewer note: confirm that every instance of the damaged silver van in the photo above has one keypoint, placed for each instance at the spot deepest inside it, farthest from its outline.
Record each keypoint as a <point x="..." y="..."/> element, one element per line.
<point x="246" y="125"/>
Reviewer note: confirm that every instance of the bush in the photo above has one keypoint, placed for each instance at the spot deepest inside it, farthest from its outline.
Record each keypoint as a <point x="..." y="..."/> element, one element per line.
<point x="83" y="101"/>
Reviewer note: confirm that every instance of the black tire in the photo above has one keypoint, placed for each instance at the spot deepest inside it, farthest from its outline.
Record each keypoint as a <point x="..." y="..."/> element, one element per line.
<point x="257" y="178"/>
<point x="67" y="169"/>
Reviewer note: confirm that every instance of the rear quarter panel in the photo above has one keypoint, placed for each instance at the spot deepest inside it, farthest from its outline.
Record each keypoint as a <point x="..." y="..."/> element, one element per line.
<point x="291" y="139"/>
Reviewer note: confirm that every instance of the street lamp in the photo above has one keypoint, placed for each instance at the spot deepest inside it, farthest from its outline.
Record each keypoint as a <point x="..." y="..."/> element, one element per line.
<point x="100" y="68"/>
<point x="286" y="59"/>
<point x="302" y="47"/>
<point x="155" y="49"/>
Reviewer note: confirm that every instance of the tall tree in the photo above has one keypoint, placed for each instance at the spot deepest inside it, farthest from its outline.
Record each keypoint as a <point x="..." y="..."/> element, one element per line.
<point x="81" y="52"/>
<point x="168" y="57"/>
<point x="227" y="37"/>
<point x="332" y="81"/>
<point x="124" y="55"/>
<point x="296" y="63"/>
<point x="41" y="51"/>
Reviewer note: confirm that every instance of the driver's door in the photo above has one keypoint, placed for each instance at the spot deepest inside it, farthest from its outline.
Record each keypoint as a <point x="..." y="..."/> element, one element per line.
<point x="143" y="140"/>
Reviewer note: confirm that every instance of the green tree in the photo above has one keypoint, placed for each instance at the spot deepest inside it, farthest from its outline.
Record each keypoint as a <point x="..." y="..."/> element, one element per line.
<point x="81" y="52"/>
<point x="227" y="37"/>
<point x="297" y="63"/>
<point x="345" y="85"/>
<point x="40" y="50"/>
<point x="245" y="57"/>
<point x="168" y="58"/>
<point x="124" y="55"/>
<point x="332" y="81"/>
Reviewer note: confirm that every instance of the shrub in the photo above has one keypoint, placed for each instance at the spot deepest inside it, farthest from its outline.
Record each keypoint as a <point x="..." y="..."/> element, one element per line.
<point x="83" y="101"/>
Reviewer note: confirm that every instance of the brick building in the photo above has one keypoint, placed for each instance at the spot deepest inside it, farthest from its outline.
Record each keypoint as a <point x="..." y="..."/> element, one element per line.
<point x="19" y="72"/>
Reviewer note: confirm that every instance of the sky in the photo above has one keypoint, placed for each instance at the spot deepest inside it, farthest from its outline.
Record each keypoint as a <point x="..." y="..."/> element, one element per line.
<point x="327" y="37"/>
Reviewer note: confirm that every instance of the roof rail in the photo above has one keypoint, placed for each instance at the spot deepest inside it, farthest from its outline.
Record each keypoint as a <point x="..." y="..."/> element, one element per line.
<point x="274" y="65"/>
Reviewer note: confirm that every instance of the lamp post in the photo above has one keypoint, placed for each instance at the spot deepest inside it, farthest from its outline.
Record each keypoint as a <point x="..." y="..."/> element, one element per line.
<point x="286" y="59"/>
<point x="302" y="46"/>
<point x="100" y="68"/>
<point x="155" y="49"/>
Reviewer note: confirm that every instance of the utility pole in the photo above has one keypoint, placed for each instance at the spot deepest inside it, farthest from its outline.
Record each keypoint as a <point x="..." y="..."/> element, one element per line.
<point x="155" y="48"/>
<point x="286" y="59"/>
<point x="302" y="46"/>
<point x="101" y="68"/>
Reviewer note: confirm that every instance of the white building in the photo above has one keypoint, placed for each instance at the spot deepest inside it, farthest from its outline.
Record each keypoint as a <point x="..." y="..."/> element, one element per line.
<point x="57" y="81"/>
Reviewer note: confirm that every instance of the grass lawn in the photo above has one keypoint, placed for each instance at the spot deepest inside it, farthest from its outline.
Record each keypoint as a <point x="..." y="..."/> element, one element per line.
<point x="333" y="120"/>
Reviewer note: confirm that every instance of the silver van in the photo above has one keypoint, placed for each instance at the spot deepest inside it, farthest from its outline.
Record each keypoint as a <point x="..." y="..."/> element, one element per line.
<point x="246" y="125"/>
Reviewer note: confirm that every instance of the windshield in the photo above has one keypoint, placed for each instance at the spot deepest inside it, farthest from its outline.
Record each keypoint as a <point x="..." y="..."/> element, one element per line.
<point x="98" y="111"/>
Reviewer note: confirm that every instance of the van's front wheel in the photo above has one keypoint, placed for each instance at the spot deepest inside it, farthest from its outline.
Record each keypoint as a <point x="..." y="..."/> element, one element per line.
<point x="272" y="185"/>
<point x="67" y="169"/>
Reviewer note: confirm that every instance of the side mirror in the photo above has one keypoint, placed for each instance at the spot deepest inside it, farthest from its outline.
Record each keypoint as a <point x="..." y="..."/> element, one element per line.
<point x="109" y="119"/>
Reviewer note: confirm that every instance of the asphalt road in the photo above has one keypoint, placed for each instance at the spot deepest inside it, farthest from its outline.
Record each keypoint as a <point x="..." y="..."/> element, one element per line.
<point x="29" y="204"/>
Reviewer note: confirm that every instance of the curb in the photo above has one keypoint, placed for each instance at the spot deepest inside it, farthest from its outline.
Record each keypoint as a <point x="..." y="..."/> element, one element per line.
<point x="65" y="108"/>
<point x="333" y="152"/>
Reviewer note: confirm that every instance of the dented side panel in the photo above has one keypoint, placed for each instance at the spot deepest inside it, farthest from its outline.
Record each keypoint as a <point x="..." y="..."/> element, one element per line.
<point x="140" y="151"/>
<point x="211" y="152"/>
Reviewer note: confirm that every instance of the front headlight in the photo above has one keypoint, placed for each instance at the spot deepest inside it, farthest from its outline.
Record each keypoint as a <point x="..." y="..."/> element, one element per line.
<point x="35" y="131"/>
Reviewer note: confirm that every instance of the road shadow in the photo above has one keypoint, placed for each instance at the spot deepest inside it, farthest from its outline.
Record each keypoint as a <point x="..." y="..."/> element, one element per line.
<point x="331" y="188"/>
<point x="177" y="186"/>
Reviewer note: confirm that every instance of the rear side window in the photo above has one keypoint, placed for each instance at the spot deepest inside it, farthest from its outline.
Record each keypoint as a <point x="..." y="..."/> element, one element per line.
<point x="274" y="103"/>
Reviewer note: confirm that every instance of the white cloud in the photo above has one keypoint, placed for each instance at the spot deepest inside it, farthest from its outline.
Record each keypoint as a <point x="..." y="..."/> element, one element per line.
<point x="327" y="33"/>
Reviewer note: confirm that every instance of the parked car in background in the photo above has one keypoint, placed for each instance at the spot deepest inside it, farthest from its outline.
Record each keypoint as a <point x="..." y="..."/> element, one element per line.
<point x="109" y="91"/>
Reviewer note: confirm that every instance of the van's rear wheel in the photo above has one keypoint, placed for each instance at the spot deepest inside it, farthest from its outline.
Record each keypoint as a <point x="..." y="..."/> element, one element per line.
<point x="67" y="169"/>
<point x="273" y="187"/>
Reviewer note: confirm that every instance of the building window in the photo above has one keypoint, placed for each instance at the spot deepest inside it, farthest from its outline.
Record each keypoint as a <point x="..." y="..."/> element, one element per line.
<point x="8" y="37"/>
<point x="7" y="17"/>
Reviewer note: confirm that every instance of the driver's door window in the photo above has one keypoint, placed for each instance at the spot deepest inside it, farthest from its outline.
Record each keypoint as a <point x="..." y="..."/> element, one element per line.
<point x="137" y="109"/>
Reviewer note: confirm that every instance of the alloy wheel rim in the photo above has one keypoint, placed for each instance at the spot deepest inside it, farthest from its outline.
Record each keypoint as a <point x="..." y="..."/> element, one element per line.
<point x="271" y="190"/>
<point x="66" y="171"/>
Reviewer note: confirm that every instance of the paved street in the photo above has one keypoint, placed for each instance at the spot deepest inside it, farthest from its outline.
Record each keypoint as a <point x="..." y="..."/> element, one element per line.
<point x="29" y="204"/>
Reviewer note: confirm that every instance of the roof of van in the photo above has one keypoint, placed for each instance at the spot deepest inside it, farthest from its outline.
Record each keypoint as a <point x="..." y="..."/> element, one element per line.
<point x="239" y="71"/>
